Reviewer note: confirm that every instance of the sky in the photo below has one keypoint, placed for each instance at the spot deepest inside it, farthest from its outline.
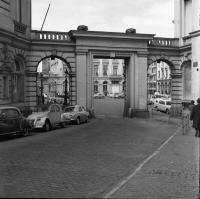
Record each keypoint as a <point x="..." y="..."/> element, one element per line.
<point x="146" y="16"/>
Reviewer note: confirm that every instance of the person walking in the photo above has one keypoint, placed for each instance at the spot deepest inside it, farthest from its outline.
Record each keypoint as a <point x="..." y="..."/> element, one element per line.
<point x="195" y="117"/>
<point x="190" y="107"/>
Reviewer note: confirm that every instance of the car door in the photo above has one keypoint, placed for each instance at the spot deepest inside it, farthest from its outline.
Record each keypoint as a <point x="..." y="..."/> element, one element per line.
<point x="162" y="105"/>
<point x="4" y="125"/>
<point x="57" y="113"/>
<point x="51" y="114"/>
<point x="13" y="118"/>
<point x="80" y="114"/>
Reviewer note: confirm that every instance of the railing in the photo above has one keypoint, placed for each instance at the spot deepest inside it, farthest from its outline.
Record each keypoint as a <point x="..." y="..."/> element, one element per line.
<point x="49" y="35"/>
<point x="165" y="42"/>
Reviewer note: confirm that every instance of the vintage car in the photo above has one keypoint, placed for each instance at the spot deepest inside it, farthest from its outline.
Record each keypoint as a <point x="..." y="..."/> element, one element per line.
<point x="99" y="95"/>
<point x="12" y="121"/>
<point x="47" y="117"/>
<point x="164" y="106"/>
<point x="76" y="114"/>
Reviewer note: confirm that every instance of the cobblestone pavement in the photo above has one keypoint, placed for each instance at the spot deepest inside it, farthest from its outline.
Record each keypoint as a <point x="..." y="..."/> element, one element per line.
<point x="172" y="174"/>
<point x="87" y="161"/>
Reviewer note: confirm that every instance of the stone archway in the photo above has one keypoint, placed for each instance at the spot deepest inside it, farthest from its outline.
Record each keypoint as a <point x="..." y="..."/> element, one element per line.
<point x="176" y="80"/>
<point x="33" y="61"/>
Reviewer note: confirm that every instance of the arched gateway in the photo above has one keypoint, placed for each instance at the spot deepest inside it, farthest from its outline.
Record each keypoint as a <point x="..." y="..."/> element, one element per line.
<point x="78" y="48"/>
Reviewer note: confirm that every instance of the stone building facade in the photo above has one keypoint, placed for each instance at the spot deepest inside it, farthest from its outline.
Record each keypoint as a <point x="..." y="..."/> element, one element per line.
<point x="108" y="76"/>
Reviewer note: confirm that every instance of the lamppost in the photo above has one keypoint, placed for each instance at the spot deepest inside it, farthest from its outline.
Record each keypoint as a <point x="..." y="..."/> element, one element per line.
<point x="41" y="90"/>
<point x="65" y="97"/>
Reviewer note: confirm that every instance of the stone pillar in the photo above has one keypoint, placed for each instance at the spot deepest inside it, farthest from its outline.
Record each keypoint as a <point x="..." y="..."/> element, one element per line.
<point x="81" y="78"/>
<point x="137" y="85"/>
<point x="176" y="92"/>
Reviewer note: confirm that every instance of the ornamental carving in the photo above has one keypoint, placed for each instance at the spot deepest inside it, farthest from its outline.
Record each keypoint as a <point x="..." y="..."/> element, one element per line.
<point x="5" y="55"/>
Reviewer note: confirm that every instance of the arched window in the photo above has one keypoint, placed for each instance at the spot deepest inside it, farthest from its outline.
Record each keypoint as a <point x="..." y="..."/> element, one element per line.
<point x="17" y="81"/>
<point x="105" y="87"/>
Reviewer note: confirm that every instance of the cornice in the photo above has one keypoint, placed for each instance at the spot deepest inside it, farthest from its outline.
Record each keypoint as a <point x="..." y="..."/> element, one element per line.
<point x="114" y="35"/>
<point x="195" y="33"/>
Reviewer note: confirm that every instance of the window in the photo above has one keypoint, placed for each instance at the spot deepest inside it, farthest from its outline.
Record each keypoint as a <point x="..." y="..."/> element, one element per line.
<point x="158" y="74"/>
<point x="105" y="86"/>
<point x="115" y="70"/>
<point x="105" y="70"/>
<point x="168" y="103"/>
<point x="5" y="86"/>
<point x="96" y="86"/>
<point x="96" y="67"/>
<point x="11" y="113"/>
<point x="161" y="102"/>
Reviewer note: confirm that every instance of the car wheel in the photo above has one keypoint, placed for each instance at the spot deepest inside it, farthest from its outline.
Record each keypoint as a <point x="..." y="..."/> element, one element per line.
<point x="86" y="120"/>
<point x="47" y="126"/>
<point x="64" y="124"/>
<point x="25" y="132"/>
<point x="77" y="120"/>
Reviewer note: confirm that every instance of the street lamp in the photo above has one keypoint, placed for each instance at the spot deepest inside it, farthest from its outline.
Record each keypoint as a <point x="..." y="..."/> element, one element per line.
<point x="65" y="97"/>
<point x="41" y="90"/>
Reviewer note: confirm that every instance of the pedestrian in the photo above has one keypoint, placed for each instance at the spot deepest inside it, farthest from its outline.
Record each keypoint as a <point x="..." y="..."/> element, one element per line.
<point x="190" y="107"/>
<point x="195" y="117"/>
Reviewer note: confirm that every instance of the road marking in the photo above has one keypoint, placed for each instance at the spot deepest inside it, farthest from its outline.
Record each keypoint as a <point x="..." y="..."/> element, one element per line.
<point x="123" y="182"/>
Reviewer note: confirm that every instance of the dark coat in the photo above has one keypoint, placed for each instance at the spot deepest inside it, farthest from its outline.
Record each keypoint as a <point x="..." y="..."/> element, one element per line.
<point x="195" y="116"/>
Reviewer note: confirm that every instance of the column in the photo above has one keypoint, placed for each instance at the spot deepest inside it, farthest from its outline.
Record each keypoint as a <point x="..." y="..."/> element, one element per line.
<point x="81" y="78"/>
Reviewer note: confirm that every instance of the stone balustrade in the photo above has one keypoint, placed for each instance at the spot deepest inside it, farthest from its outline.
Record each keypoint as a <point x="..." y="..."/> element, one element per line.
<point x="165" y="42"/>
<point x="49" y="35"/>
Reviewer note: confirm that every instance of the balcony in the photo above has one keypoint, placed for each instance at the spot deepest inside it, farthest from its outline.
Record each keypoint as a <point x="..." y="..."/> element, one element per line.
<point x="164" y="42"/>
<point x="49" y="35"/>
<point x="115" y="77"/>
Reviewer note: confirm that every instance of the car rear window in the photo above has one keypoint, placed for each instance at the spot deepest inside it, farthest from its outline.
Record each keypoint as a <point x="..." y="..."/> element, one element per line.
<point x="169" y="103"/>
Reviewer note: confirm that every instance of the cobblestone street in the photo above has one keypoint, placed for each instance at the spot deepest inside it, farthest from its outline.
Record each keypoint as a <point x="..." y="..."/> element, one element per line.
<point x="84" y="161"/>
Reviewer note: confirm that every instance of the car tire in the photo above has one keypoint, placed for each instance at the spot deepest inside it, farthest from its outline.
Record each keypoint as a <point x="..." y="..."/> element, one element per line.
<point x="86" y="121"/>
<point x="167" y="111"/>
<point x="63" y="124"/>
<point x="47" y="126"/>
<point x="77" y="120"/>
<point x="25" y="132"/>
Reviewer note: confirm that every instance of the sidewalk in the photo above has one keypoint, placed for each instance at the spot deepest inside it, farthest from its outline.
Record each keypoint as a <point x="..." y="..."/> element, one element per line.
<point x="171" y="173"/>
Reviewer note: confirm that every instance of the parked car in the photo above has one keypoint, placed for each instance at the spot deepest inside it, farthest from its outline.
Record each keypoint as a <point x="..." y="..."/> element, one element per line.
<point x="164" y="105"/>
<point x="76" y="114"/>
<point x="155" y="98"/>
<point x="119" y="95"/>
<point x="12" y="121"/>
<point x="156" y="101"/>
<point x="99" y="95"/>
<point x="46" y="117"/>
